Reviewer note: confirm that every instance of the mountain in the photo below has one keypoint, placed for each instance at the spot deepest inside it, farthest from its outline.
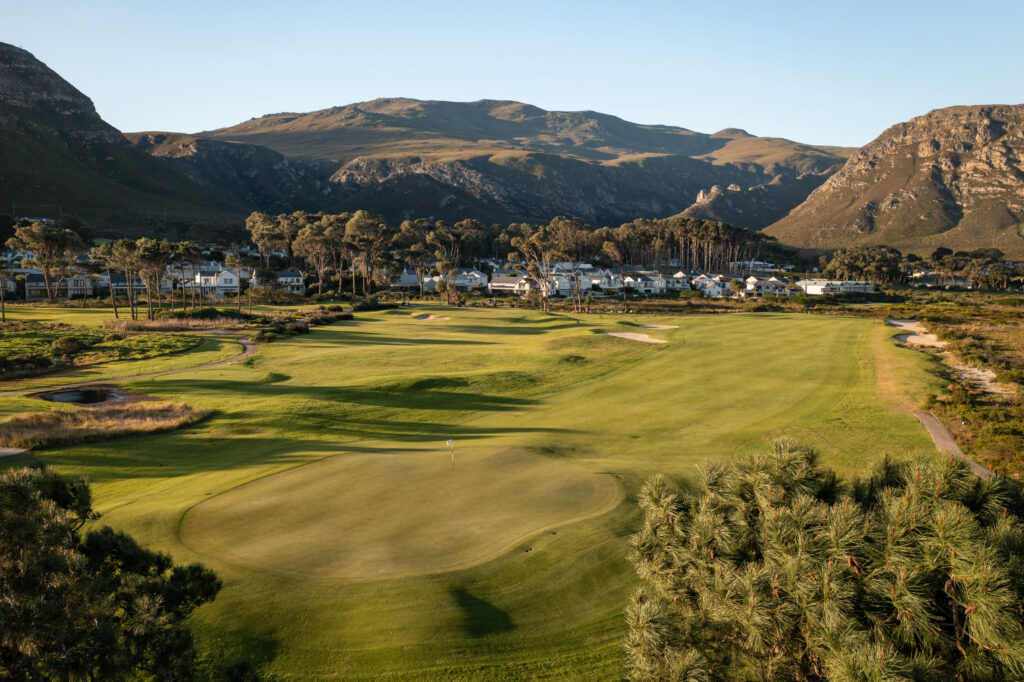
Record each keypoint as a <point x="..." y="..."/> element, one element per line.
<point x="57" y="154"/>
<point x="504" y="160"/>
<point x="953" y="177"/>
<point x="245" y="174"/>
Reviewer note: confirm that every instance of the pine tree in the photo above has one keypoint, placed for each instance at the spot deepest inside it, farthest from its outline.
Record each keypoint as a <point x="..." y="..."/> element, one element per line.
<point x="775" y="569"/>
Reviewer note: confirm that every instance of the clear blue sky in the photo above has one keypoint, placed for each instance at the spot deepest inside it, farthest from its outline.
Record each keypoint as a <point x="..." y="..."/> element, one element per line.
<point x="824" y="72"/>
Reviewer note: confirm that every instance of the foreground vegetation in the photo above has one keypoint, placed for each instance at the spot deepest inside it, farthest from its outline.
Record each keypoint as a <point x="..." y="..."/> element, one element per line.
<point x="87" y="606"/>
<point x="432" y="573"/>
<point x="64" y="427"/>
<point x="777" y="569"/>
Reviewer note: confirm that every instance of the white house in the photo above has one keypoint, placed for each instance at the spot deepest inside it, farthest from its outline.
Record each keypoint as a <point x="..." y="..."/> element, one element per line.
<point x="291" y="281"/>
<point x="645" y="284"/>
<point x="678" y="282"/>
<point x="604" y="279"/>
<point x="716" y="286"/>
<point x="75" y="286"/>
<point x="509" y="284"/>
<point x="215" y="283"/>
<point x="761" y="286"/>
<point x="823" y="287"/>
<point x="469" y="278"/>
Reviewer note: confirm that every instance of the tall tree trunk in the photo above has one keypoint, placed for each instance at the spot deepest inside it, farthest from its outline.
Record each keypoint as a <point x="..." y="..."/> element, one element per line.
<point x="113" y="303"/>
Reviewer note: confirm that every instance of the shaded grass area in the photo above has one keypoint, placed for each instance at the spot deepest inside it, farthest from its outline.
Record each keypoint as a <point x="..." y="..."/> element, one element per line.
<point x="342" y="431"/>
<point x="65" y="427"/>
<point x="203" y="350"/>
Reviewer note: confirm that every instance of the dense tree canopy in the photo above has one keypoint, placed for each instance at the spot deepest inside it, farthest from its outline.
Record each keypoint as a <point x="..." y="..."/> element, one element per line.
<point x="877" y="264"/>
<point x="92" y="607"/>
<point x="775" y="569"/>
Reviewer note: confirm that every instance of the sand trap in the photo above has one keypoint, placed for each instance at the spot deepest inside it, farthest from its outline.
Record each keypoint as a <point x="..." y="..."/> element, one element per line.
<point x="633" y="336"/>
<point x="660" y="326"/>
<point x="430" y="318"/>
<point x="918" y="335"/>
<point x="10" y="452"/>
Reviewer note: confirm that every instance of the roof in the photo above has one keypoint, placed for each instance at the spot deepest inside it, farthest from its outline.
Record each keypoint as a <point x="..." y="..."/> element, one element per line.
<point x="289" y="273"/>
<point x="507" y="279"/>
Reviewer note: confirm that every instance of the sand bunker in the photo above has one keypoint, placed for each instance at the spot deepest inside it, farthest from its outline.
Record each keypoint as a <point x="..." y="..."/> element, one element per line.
<point x="633" y="336"/>
<point x="918" y="335"/>
<point x="660" y="326"/>
<point x="430" y="318"/>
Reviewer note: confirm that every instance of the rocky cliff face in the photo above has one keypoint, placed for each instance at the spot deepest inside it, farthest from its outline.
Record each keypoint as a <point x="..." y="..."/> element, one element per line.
<point x="246" y="174"/>
<point x="59" y="156"/>
<point x="953" y="177"/>
<point x="756" y="206"/>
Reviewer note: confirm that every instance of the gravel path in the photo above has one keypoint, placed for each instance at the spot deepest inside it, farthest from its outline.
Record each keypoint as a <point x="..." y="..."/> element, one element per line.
<point x="945" y="443"/>
<point x="248" y="348"/>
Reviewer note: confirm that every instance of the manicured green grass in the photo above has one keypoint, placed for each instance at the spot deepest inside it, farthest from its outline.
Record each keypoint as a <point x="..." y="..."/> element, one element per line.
<point x="321" y="489"/>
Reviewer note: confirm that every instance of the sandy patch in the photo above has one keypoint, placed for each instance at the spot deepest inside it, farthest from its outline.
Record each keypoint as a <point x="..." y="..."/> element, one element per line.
<point x="430" y="318"/>
<point x="917" y="336"/>
<point x="984" y="379"/>
<point x="660" y="326"/>
<point x="632" y="336"/>
<point x="10" y="452"/>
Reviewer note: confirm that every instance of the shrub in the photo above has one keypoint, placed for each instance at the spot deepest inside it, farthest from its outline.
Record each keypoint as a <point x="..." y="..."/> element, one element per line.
<point x="62" y="427"/>
<point x="774" y="568"/>
<point x="68" y="344"/>
<point x="113" y="336"/>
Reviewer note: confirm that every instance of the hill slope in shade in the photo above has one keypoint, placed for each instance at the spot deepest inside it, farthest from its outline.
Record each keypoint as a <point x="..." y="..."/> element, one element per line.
<point x="953" y="177"/>
<point x="513" y="161"/>
<point x="246" y="174"/>
<point x="57" y="154"/>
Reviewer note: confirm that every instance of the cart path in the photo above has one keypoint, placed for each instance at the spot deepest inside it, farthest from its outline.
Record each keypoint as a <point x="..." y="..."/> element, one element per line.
<point x="945" y="443"/>
<point x="248" y="348"/>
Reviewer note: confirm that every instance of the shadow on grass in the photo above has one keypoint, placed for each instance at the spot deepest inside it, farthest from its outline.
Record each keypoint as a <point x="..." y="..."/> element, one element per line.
<point x="479" y="616"/>
<point x="427" y="394"/>
<point x="354" y="338"/>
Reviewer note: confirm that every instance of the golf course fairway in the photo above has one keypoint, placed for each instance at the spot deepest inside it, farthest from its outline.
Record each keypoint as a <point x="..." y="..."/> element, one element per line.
<point x="321" y="489"/>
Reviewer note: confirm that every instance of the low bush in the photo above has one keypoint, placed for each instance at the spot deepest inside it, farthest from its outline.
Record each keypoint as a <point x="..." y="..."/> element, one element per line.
<point x="64" y="427"/>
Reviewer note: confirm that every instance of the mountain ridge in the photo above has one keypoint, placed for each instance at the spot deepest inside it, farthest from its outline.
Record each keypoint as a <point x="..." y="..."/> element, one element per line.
<point x="952" y="177"/>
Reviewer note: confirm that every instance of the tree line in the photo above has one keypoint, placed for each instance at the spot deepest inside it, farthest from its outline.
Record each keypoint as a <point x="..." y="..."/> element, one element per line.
<point x="362" y="242"/>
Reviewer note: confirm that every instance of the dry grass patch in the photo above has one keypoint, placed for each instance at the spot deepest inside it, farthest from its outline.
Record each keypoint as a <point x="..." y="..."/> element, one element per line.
<point x="172" y="325"/>
<point x="65" y="427"/>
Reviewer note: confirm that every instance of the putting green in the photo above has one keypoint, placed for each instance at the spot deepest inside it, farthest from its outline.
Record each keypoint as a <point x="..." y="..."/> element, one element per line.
<point x="331" y="519"/>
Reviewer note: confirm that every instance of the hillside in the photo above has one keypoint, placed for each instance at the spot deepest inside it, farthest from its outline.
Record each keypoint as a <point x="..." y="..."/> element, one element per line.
<point x="245" y="174"/>
<point x="953" y="177"/>
<point x="58" y="155"/>
<point x="512" y="161"/>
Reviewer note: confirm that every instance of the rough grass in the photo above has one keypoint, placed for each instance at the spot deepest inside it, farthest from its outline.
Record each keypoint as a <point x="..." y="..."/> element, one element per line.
<point x="66" y="427"/>
<point x="172" y="325"/>
<point x="332" y="441"/>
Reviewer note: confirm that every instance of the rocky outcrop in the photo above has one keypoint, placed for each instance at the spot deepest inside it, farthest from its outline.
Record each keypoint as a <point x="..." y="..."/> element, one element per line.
<point x="246" y="174"/>
<point x="756" y="206"/>
<point x="953" y="177"/>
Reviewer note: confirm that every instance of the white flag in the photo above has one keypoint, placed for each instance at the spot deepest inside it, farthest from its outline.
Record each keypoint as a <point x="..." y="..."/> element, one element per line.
<point x="449" y="441"/>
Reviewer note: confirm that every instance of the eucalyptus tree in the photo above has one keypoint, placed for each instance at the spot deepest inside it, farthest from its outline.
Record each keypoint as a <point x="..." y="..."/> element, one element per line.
<point x="449" y="242"/>
<point x="313" y="244"/>
<point x="266" y="233"/>
<point x="152" y="258"/>
<point x="54" y="251"/>
<point x="369" y="235"/>
<point x="235" y="262"/>
<point x="537" y="249"/>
